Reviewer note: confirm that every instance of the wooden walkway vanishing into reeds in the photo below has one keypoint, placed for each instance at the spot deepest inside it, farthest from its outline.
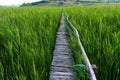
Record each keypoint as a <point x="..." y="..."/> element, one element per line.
<point x="62" y="57"/>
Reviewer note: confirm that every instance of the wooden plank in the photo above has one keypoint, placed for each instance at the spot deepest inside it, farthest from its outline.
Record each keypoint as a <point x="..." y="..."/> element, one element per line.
<point x="62" y="57"/>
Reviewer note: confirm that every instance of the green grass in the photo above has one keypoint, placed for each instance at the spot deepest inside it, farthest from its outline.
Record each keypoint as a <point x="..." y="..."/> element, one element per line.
<point x="27" y="37"/>
<point x="99" y="29"/>
<point x="79" y="66"/>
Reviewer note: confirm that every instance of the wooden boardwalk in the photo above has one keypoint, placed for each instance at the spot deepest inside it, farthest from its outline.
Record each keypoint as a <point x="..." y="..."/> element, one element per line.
<point x="62" y="57"/>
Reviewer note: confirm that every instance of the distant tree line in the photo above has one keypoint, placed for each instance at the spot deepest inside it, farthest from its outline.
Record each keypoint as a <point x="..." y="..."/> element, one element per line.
<point x="48" y="1"/>
<point x="35" y="3"/>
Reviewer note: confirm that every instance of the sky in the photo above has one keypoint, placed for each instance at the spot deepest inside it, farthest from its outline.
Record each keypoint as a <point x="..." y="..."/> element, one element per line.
<point x="15" y="2"/>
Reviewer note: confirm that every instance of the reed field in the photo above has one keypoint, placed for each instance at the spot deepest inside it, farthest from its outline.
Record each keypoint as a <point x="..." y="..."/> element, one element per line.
<point x="99" y="29"/>
<point x="27" y="37"/>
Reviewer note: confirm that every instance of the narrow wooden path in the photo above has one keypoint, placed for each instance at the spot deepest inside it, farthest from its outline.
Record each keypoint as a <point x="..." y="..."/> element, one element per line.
<point x="62" y="57"/>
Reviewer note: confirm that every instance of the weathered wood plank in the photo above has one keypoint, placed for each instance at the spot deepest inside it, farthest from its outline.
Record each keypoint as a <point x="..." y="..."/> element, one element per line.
<point x="62" y="57"/>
